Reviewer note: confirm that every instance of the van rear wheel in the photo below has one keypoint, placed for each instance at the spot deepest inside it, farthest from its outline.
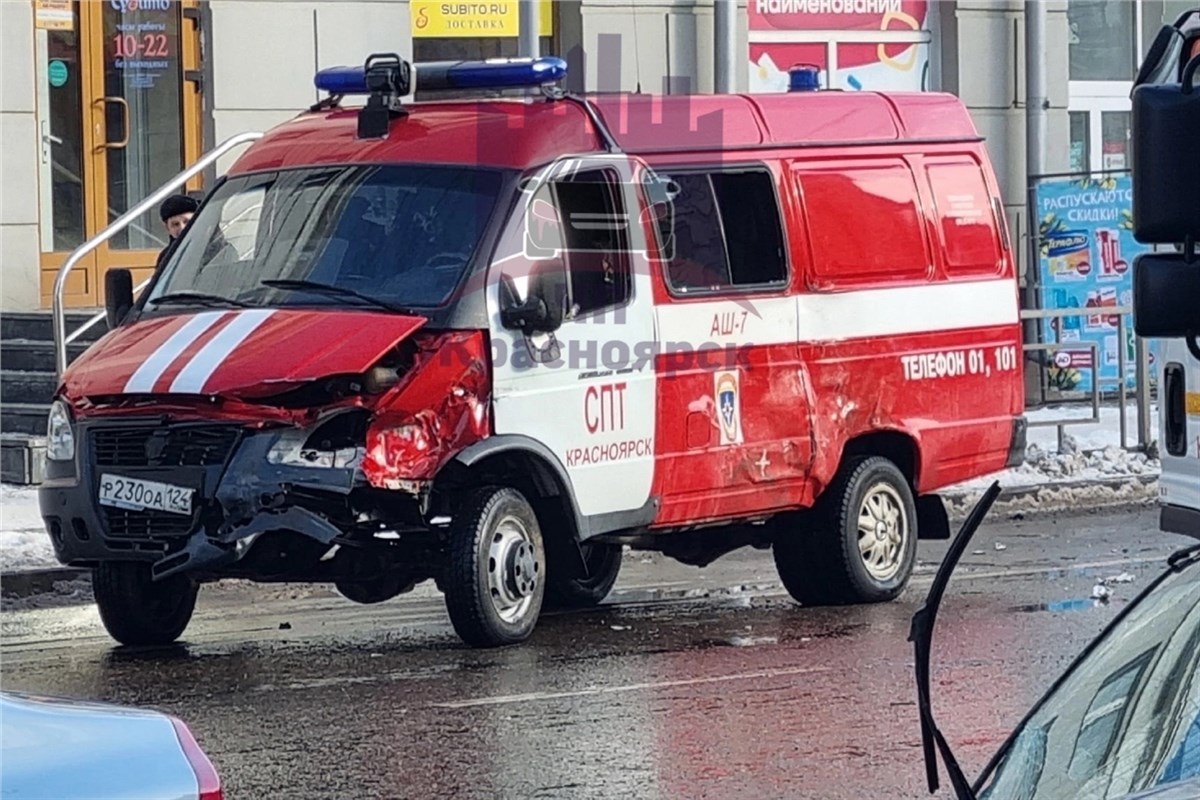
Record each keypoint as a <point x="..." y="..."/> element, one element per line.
<point x="138" y="610"/>
<point x="495" y="577"/>
<point x="862" y="545"/>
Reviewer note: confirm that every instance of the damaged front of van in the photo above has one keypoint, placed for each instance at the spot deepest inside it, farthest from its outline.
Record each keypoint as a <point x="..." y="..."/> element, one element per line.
<point x="281" y="398"/>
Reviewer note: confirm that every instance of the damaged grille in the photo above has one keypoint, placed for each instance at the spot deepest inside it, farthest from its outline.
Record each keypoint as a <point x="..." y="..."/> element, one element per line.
<point x="124" y="523"/>
<point x="192" y="446"/>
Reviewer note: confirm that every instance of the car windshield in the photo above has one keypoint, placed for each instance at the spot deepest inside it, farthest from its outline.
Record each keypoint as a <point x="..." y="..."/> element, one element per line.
<point x="400" y="235"/>
<point x="1127" y="719"/>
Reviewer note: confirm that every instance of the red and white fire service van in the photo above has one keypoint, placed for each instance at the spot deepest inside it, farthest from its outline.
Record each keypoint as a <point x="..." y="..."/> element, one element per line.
<point x="490" y="341"/>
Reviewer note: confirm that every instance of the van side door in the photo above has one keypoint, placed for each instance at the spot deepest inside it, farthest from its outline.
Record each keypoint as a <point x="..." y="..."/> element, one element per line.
<point x="733" y="411"/>
<point x="584" y="389"/>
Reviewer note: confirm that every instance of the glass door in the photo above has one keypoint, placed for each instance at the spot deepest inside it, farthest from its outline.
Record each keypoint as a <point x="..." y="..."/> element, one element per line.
<point x="122" y="122"/>
<point x="66" y="175"/>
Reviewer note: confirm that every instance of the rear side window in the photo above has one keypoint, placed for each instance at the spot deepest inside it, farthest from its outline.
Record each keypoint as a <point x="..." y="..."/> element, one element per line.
<point x="966" y="219"/>
<point x="865" y="224"/>
<point x="724" y="233"/>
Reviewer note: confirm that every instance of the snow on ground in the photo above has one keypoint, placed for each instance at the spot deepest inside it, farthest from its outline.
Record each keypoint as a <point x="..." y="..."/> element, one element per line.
<point x="24" y="543"/>
<point x="1093" y="453"/>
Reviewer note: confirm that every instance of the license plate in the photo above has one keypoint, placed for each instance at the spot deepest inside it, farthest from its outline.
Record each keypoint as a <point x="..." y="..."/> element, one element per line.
<point x="138" y="495"/>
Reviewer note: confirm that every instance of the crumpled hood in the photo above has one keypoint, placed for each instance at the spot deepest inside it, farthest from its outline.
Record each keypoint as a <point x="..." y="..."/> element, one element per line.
<point x="255" y="352"/>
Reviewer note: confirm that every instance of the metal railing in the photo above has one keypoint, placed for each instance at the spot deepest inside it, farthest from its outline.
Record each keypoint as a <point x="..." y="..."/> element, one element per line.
<point x="121" y="223"/>
<point x="1142" y="390"/>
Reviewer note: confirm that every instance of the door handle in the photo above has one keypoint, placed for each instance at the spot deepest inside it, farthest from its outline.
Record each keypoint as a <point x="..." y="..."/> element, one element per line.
<point x="48" y="139"/>
<point x="121" y="101"/>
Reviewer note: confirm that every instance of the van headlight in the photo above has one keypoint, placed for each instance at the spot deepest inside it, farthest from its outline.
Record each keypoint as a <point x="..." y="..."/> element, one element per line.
<point x="60" y="436"/>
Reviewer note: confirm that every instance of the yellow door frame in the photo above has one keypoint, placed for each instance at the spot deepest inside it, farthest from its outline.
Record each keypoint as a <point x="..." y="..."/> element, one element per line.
<point x="85" y="287"/>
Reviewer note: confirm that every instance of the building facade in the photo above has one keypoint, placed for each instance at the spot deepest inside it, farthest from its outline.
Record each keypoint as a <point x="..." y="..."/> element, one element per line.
<point x="101" y="101"/>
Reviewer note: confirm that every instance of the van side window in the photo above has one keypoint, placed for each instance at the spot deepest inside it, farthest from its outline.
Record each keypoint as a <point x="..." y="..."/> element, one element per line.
<point x="595" y="249"/>
<point x="967" y="221"/>
<point x="727" y="232"/>
<point x="865" y="224"/>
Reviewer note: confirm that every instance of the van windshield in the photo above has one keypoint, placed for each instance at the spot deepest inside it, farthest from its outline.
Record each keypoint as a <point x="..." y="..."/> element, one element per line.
<point x="399" y="234"/>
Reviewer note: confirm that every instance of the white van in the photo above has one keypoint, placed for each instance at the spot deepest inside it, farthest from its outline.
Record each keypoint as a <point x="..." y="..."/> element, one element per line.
<point x="1179" y="428"/>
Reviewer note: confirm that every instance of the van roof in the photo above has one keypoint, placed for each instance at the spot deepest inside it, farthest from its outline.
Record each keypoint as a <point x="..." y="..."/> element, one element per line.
<point x="523" y="135"/>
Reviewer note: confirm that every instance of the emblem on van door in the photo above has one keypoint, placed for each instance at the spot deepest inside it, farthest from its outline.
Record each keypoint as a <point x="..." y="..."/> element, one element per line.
<point x="729" y="406"/>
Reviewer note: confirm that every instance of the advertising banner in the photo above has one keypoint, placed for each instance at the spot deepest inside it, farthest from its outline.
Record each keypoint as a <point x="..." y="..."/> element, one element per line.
<point x="861" y="66"/>
<point x="1085" y="234"/>
<point x="432" y="20"/>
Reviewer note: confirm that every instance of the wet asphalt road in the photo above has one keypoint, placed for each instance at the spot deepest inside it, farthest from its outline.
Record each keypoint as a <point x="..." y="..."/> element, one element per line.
<point x="715" y="686"/>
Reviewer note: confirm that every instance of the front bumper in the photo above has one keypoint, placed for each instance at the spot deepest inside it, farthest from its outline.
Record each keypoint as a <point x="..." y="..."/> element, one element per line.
<point x="238" y="494"/>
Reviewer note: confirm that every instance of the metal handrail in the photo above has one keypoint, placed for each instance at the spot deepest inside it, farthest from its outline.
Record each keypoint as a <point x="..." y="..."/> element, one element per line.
<point x="1142" y="391"/>
<point x="121" y="223"/>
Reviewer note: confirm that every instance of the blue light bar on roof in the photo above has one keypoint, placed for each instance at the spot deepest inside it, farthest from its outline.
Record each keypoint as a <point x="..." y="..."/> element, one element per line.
<point x="495" y="73"/>
<point x="342" y="80"/>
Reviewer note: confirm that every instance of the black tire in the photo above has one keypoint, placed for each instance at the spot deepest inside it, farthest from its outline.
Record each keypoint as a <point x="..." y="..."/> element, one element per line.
<point x="823" y="565"/>
<point x="494" y="584"/>
<point x="137" y="610"/>
<point x="568" y="588"/>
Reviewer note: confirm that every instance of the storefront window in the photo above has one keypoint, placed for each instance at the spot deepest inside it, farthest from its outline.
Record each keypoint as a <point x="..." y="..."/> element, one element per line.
<point x="1102" y="40"/>
<point x="1116" y="134"/>
<point x="1081" y="157"/>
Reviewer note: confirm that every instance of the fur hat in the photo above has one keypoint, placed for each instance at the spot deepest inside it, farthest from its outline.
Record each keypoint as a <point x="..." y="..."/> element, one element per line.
<point x="176" y="205"/>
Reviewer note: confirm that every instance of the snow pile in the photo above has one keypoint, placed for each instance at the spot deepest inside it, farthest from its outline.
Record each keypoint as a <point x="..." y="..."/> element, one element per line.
<point x="24" y="543"/>
<point x="1073" y="465"/>
<point x="1091" y="452"/>
<point x="64" y="593"/>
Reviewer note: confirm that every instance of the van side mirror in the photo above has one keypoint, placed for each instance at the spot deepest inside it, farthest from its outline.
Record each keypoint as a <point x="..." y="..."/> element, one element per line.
<point x="118" y="295"/>
<point x="543" y="308"/>
<point x="1166" y="289"/>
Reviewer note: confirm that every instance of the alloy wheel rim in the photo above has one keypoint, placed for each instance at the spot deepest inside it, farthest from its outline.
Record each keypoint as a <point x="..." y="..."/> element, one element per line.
<point x="882" y="531"/>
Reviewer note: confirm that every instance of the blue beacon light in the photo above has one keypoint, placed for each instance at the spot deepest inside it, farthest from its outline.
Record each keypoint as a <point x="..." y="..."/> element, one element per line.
<point x="804" y="78"/>
<point x="342" y="80"/>
<point x="495" y="73"/>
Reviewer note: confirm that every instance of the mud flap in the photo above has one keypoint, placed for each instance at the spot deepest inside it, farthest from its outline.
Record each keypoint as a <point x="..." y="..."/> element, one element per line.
<point x="932" y="520"/>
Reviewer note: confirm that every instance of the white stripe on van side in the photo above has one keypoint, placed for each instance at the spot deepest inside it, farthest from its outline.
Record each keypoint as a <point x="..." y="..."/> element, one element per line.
<point x="202" y="365"/>
<point x="830" y="316"/>
<point x="907" y="310"/>
<point x="143" y="379"/>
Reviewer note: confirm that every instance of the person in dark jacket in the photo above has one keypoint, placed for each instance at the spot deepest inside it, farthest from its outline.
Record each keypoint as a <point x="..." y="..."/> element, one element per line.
<point x="176" y="212"/>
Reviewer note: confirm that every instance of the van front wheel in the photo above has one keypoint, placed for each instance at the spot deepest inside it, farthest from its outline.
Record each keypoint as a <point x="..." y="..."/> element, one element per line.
<point x="495" y="577"/>
<point x="138" y="610"/>
<point x="862" y="543"/>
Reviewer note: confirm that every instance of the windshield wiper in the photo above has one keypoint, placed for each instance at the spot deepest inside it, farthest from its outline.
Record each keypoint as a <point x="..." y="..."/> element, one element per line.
<point x="199" y="299"/>
<point x="921" y="635"/>
<point x="328" y="288"/>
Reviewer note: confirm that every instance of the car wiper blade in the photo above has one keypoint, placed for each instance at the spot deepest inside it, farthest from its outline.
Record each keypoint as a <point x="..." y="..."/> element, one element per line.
<point x="328" y="288"/>
<point x="198" y="298"/>
<point x="921" y="635"/>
